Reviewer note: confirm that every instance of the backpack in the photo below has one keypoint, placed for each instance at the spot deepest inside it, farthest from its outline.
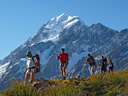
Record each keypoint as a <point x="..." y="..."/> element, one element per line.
<point x="105" y="62"/>
<point x="38" y="59"/>
<point x="111" y="65"/>
<point x="91" y="61"/>
<point x="102" y="63"/>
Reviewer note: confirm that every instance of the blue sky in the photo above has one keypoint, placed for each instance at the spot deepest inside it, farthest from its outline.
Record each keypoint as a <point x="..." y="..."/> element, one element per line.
<point x="21" y="19"/>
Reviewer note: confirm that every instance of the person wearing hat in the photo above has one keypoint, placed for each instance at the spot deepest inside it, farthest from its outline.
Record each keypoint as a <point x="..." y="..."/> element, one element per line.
<point x="30" y="70"/>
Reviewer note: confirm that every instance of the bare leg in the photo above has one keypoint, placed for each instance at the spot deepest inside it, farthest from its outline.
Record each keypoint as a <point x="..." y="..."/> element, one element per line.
<point x="104" y="73"/>
<point x="92" y="72"/>
<point x="27" y="77"/>
<point x="33" y="76"/>
<point x="101" y="71"/>
<point x="110" y="70"/>
<point x="62" y="72"/>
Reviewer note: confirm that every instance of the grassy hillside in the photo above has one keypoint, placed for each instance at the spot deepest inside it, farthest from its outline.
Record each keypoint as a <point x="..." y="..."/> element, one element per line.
<point x="114" y="84"/>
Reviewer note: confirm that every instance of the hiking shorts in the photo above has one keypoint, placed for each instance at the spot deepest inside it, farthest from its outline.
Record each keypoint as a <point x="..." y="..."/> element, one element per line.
<point x="111" y="68"/>
<point x="30" y="70"/>
<point x="103" y="69"/>
<point x="91" y="69"/>
<point x="62" y="65"/>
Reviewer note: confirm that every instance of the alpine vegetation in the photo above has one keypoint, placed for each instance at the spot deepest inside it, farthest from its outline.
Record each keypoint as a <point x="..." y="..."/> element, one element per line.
<point x="113" y="84"/>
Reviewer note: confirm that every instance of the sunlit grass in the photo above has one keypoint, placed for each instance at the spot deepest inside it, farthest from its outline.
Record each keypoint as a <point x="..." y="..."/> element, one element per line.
<point x="112" y="84"/>
<point x="107" y="85"/>
<point x="20" y="89"/>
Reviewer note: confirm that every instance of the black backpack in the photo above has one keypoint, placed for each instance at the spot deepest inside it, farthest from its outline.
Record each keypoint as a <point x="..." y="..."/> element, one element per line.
<point x="91" y="62"/>
<point x="38" y="59"/>
<point x="103" y="62"/>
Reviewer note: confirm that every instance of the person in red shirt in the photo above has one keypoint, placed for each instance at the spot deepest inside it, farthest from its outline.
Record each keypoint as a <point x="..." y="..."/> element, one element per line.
<point x="63" y="57"/>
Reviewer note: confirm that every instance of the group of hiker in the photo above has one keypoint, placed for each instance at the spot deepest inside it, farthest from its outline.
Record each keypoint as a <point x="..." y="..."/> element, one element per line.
<point x="33" y="64"/>
<point x="103" y="63"/>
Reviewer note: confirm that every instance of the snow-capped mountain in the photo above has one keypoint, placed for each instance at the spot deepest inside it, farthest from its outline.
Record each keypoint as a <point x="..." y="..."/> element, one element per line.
<point x="71" y="33"/>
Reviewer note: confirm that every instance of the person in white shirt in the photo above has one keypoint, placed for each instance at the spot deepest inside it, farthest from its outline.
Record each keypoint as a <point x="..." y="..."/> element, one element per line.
<point x="30" y="70"/>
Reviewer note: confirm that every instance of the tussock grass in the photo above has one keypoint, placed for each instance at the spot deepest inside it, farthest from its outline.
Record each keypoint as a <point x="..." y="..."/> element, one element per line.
<point x="20" y="89"/>
<point x="64" y="90"/>
<point x="113" y="84"/>
<point x="109" y="85"/>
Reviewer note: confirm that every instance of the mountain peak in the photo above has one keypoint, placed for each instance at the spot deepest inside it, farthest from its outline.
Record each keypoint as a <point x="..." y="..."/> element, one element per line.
<point x="51" y="30"/>
<point x="63" y="15"/>
<point x="62" y="19"/>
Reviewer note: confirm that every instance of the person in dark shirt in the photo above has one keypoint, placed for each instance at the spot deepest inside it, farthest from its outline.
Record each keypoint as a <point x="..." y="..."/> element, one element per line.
<point x="110" y="65"/>
<point x="92" y="63"/>
<point x="103" y="64"/>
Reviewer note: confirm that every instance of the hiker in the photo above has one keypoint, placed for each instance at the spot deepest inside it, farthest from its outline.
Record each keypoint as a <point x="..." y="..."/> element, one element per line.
<point x="63" y="57"/>
<point x="92" y="63"/>
<point x="31" y="67"/>
<point x="103" y="64"/>
<point x="110" y="65"/>
<point x="106" y="61"/>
